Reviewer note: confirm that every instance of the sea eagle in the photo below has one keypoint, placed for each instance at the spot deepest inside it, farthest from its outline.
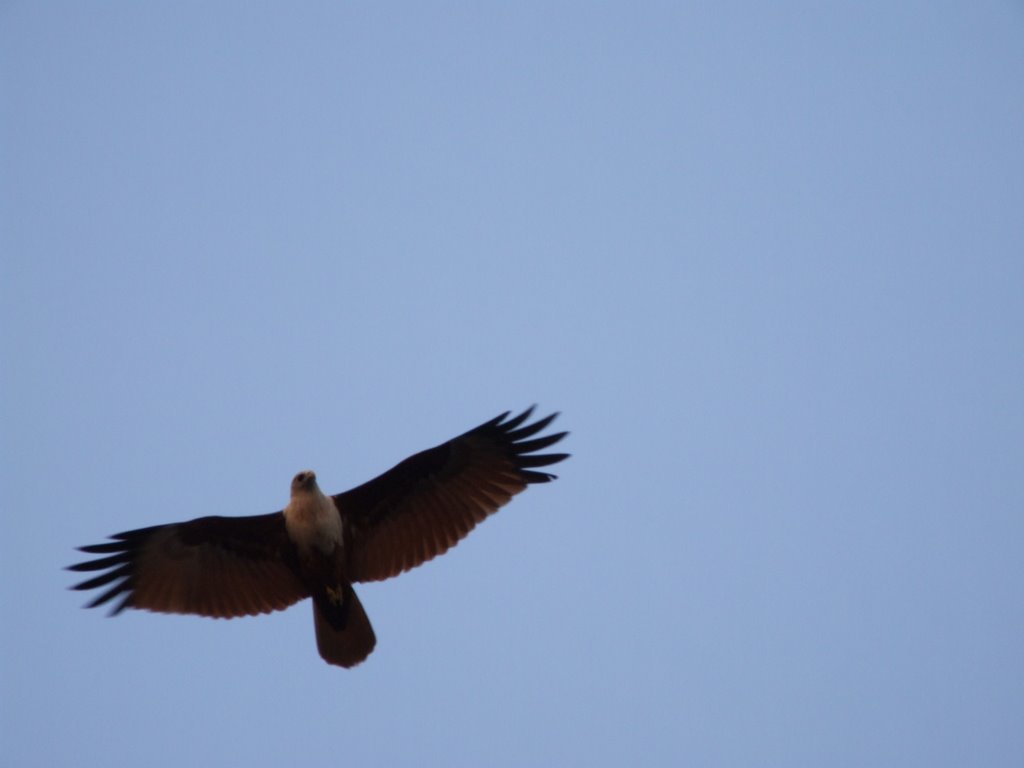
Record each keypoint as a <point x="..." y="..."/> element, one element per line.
<point x="318" y="545"/>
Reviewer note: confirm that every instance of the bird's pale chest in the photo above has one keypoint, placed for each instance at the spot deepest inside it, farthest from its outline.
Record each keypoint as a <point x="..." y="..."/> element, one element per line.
<point x="313" y="523"/>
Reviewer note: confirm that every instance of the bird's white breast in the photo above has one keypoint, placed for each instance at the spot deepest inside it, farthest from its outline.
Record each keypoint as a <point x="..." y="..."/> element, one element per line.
<point x="313" y="522"/>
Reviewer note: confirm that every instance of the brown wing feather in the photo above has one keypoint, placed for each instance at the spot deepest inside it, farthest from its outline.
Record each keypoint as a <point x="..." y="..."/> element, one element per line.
<point x="212" y="566"/>
<point x="426" y="504"/>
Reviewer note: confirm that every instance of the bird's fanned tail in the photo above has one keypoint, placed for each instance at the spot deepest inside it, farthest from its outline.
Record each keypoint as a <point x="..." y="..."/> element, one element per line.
<point x="344" y="635"/>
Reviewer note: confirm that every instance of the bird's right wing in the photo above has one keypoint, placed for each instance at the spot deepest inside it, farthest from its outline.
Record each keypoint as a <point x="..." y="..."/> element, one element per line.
<point x="213" y="566"/>
<point x="427" y="503"/>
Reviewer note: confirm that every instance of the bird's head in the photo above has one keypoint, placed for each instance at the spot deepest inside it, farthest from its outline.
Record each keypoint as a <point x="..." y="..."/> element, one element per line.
<point x="304" y="481"/>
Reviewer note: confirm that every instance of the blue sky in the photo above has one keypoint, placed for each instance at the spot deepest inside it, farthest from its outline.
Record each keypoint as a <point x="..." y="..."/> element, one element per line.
<point x="767" y="259"/>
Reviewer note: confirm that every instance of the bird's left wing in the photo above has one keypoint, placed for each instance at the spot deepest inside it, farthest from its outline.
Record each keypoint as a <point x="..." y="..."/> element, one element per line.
<point x="213" y="566"/>
<point x="427" y="503"/>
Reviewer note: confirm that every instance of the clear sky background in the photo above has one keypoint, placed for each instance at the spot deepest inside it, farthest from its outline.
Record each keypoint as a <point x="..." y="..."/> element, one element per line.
<point x="766" y="258"/>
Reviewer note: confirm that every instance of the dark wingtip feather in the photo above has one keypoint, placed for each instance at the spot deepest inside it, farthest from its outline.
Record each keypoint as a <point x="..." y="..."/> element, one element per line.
<point x="126" y="603"/>
<point x="100" y="563"/>
<point x="530" y="477"/>
<point x="515" y="421"/>
<point x="105" y="578"/>
<point x="104" y="548"/>
<point x="531" y="446"/>
<point x="546" y="460"/>
<point x="496" y="420"/>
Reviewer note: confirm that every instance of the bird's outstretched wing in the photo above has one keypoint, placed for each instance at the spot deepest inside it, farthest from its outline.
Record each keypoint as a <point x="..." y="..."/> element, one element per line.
<point x="212" y="566"/>
<point x="427" y="503"/>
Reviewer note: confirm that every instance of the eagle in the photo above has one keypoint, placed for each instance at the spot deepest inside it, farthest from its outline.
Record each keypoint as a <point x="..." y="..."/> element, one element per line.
<point x="318" y="546"/>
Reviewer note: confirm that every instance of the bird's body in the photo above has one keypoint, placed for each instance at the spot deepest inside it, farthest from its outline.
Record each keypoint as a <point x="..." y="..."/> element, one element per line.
<point x="314" y="525"/>
<point x="319" y="545"/>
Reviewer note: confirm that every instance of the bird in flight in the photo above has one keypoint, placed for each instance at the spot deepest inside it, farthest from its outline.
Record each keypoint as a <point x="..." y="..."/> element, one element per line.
<point x="318" y="545"/>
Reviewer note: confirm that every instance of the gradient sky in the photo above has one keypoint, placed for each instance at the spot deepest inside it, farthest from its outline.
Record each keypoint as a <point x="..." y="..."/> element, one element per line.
<point x="766" y="258"/>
